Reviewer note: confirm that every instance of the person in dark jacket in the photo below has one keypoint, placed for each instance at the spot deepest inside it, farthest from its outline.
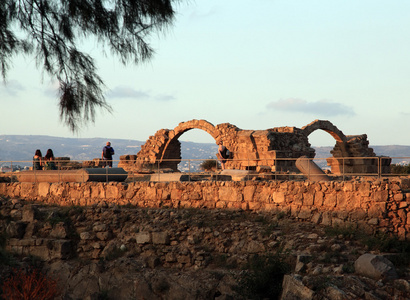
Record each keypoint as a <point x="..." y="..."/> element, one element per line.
<point x="222" y="154"/>
<point x="107" y="154"/>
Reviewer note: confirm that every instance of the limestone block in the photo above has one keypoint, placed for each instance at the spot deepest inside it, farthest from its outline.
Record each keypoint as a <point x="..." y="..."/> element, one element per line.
<point x="16" y="229"/>
<point x="401" y="233"/>
<point x="237" y="175"/>
<point x="143" y="237"/>
<point x="104" y="236"/>
<point x="375" y="267"/>
<point x="330" y="200"/>
<point x="29" y="213"/>
<point x="161" y="238"/>
<point x="111" y="192"/>
<point x="373" y="221"/>
<point x="100" y="227"/>
<point x="402" y="215"/>
<point x="263" y="169"/>
<point x="43" y="189"/>
<point x="184" y="259"/>
<point x="319" y="199"/>
<point x="327" y="218"/>
<point x="304" y="213"/>
<point x="61" y="249"/>
<point x="166" y="177"/>
<point x="264" y="196"/>
<point x="170" y="257"/>
<point x="255" y="247"/>
<point x="316" y="217"/>
<point x="59" y="231"/>
<point x="381" y="196"/>
<point x="308" y="199"/>
<point x="87" y="235"/>
<point x="221" y="204"/>
<point x="27" y="189"/>
<point x="75" y="194"/>
<point x="248" y="192"/>
<point x="377" y="209"/>
<point x="293" y="288"/>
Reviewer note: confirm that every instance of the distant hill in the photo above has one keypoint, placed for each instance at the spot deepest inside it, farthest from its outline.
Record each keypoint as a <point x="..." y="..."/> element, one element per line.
<point x="21" y="148"/>
<point x="402" y="153"/>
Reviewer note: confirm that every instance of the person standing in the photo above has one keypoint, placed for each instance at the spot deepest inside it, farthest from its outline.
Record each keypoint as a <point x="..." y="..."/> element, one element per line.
<point x="107" y="154"/>
<point x="222" y="154"/>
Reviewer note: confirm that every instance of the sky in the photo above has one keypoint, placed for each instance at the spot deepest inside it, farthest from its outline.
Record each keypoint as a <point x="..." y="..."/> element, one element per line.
<point x="256" y="64"/>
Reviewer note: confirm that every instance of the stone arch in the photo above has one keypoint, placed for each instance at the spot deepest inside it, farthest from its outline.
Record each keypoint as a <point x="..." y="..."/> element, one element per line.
<point x="194" y="124"/>
<point x="326" y="126"/>
<point x="172" y="144"/>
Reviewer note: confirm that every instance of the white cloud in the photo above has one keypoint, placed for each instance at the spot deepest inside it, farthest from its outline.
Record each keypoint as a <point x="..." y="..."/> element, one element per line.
<point x="129" y="92"/>
<point x="11" y="88"/>
<point x="126" y="92"/>
<point x="322" y="107"/>
<point x="164" y="98"/>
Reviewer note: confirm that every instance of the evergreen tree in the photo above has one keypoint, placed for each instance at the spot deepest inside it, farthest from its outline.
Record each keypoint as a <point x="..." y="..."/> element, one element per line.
<point x="52" y="30"/>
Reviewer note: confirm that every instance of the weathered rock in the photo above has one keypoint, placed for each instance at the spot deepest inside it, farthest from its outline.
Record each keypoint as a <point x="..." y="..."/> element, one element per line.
<point x="152" y="252"/>
<point x="375" y="267"/>
<point x="16" y="229"/>
<point x="293" y="289"/>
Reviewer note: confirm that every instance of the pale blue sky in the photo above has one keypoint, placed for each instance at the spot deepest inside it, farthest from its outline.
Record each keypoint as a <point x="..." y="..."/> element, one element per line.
<point x="256" y="64"/>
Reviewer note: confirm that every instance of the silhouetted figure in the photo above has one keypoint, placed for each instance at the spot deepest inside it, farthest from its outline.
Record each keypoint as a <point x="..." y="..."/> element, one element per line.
<point x="38" y="160"/>
<point x="107" y="154"/>
<point x="49" y="161"/>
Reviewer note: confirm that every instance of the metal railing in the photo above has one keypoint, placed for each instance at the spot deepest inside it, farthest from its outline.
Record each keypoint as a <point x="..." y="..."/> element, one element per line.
<point x="280" y="169"/>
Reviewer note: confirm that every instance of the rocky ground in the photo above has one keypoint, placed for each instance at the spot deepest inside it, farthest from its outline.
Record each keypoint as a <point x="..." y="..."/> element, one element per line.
<point x="112" y="252"/>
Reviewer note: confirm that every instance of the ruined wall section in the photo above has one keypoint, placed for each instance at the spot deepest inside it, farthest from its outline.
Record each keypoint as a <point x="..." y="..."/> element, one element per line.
<point x="362" y="159"/>
<point x="376" y="206"/>
<point x="276" y="148"/>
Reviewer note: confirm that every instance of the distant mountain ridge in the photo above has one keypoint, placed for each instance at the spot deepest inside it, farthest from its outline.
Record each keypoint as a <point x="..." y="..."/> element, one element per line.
<point x="22" y="148"/>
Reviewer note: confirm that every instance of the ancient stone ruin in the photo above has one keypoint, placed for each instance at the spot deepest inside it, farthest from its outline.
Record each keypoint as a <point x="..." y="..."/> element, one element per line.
<point x="276" y="148"/>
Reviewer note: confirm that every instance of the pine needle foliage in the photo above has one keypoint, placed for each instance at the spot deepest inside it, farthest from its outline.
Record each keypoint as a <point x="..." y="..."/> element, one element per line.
<point x="52" y="31"/>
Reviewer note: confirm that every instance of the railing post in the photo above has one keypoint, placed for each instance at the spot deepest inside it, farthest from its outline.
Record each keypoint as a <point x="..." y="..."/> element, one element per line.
<point x="379" y="167"/>
<point x="189" y="170"/>
<point x="158" y="170"/>
<point x="59" y="172"/>
<point x="133" y="175"/>
<point x="106" y="175"/>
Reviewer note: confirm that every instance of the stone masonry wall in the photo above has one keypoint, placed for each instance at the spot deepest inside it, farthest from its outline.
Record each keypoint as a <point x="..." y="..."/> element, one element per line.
<point x="375" y="206"/>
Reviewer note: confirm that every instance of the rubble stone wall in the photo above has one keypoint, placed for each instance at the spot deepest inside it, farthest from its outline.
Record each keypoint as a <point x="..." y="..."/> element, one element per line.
<point x="376" y="206"/>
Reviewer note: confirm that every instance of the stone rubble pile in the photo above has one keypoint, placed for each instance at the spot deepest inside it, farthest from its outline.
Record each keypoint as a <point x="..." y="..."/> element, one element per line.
<point x="124" y="252"/>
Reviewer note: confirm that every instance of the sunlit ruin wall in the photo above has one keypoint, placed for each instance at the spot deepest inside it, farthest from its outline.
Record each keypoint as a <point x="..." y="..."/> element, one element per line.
<point x="276" y="148"/>
<point x="374" y="206"/>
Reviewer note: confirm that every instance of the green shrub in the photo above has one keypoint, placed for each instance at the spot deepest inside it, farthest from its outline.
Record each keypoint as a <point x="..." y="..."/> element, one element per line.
<point x="263" y="276"/>
<point x="345" y="231"/>
<point x="400" y="169"/>
<point x="210" y="164"/>
<point x="6" y="258"/>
